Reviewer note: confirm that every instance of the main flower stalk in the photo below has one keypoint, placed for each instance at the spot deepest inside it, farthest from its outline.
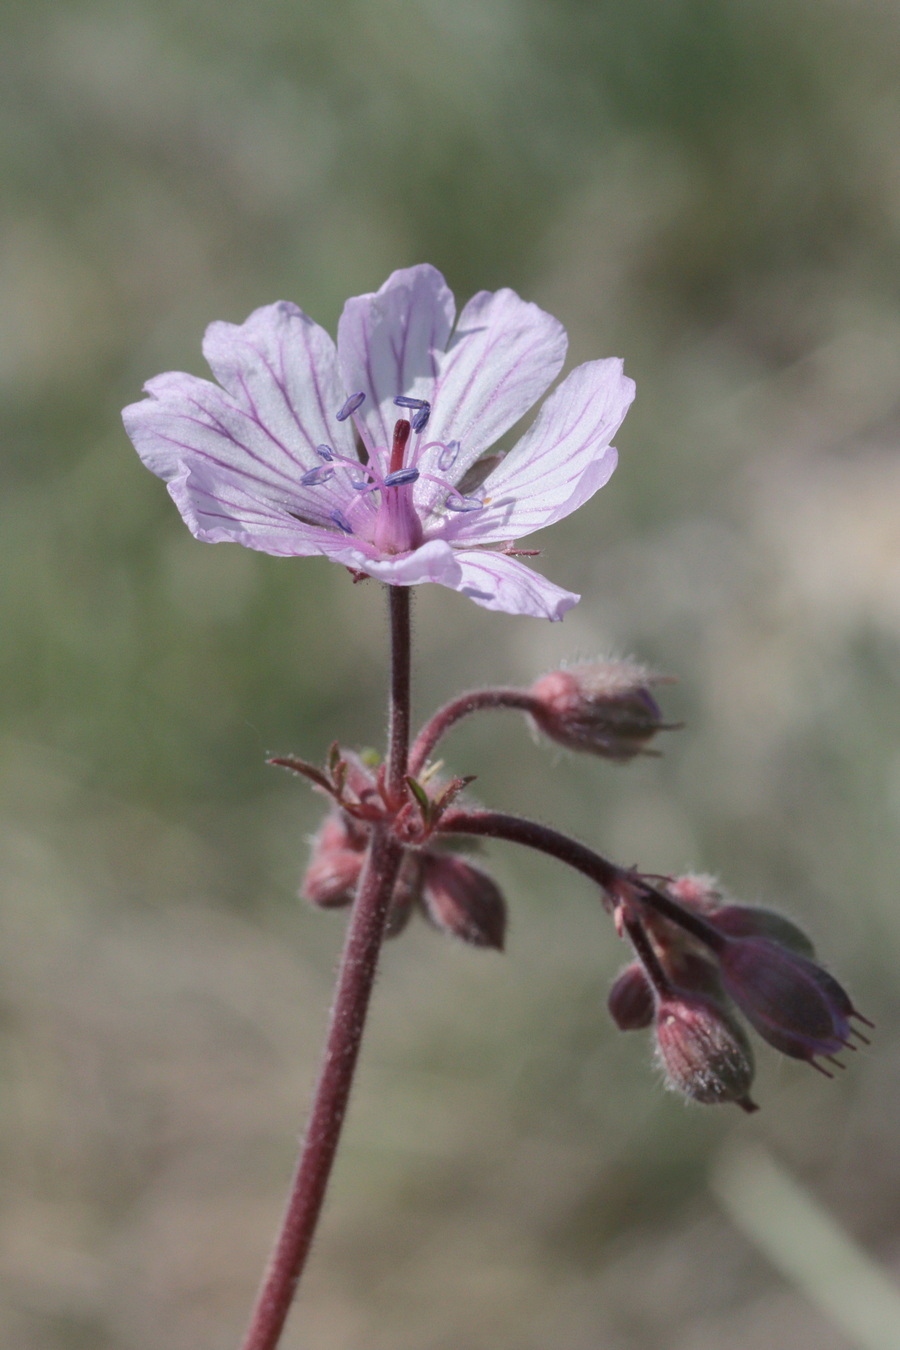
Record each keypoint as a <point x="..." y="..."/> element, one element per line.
<point x="356" y="977"/>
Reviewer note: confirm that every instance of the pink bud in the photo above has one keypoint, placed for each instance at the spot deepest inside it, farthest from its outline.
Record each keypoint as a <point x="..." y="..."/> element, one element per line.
<point x="631" y="1003"/>
<point x="336" y="862"/>
<point x="603" y="707"/>
<point x="703" y="1052"/>
<point x="793" y="1003"/>
<point x="696" y="890"/>
<point x="463" y="901"/>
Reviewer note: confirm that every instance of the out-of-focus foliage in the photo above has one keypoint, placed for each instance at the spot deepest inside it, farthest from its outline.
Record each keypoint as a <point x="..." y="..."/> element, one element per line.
<point x="709" y="188"/>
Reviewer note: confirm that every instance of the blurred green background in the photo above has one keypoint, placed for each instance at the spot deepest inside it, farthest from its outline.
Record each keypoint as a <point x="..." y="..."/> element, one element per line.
<point x="708" y="188"/>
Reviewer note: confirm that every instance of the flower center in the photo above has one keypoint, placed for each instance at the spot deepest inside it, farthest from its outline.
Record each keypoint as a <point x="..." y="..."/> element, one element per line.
<point x="397" y="527"/>
<point x="389" y="521"/>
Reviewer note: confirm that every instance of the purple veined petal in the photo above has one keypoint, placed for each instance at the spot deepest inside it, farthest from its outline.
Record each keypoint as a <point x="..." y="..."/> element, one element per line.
<point x="495" y="581"/>
<point x="434" y="561"/>
<point x="222" y="507"/>
<point x="504" y="354"/>
<point x="389" y="341"/>
<point x="192" y="431"/>
<point x="281" y="368"/>
<point x="559" y="463"/>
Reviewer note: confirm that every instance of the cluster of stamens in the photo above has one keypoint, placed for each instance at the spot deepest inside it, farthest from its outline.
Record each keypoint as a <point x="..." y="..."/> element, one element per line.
<point x="386" y="469"/>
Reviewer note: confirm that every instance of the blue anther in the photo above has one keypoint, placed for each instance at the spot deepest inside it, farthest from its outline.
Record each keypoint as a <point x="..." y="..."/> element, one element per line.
<point x="420" y="421"/>
<point x="342" y="522"/>
<point x="401" y="476"/>
<point x="313" y="477"/>
<point x="403" y="401"/>
<point x="325" y="452"/>
<point x="353" y="402"/>
<point x="359" y="484"/>
<point x="447" y="457"/>
<point x="460" y="503"/>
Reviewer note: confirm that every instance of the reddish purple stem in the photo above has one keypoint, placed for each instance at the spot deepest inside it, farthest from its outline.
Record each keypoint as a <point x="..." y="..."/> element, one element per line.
<point x="356" y="977"/>
<point x="610" y="877"/>
<point x="451" y="713"/>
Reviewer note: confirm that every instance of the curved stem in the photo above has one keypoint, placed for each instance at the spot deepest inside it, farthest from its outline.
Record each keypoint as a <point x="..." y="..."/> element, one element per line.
<point x="356" y="977"/>
<point x="446" y="717"/>
<point x="608" y="875"/>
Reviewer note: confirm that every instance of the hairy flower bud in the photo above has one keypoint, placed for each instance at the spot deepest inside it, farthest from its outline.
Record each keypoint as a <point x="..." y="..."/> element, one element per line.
<point x="703" y="1051"/>
<point x="631" y="1002"/>
<point x="697" y="891"/>
<point x="334" y="867"/>
<point x="793" y="1003"/>
<point x="463" y="901"/>
<point x="602" y="707"/>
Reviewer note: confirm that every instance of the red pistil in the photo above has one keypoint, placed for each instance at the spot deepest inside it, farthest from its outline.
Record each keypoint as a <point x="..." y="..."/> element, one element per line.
<point x="398" y="449"/>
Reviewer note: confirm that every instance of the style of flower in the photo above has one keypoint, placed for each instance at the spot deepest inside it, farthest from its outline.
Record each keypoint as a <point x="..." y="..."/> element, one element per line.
<point x="373" y="452"/>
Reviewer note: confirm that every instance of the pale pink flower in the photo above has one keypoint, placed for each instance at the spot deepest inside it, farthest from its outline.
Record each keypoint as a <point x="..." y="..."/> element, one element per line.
<point x="368" y="453"/>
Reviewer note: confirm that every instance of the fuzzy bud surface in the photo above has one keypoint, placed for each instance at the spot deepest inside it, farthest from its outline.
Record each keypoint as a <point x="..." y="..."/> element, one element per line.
<point x="601" y="708"/>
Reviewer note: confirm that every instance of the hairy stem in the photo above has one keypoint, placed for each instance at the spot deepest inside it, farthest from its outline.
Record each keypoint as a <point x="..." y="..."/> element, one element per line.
<point x="356" y="977"/>
<point x="446" y="717"/>
<point x="607" y="875"/>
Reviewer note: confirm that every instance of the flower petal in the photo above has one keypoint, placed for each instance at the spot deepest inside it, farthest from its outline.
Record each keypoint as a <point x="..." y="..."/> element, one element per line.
<point x="281" y="368"/>
<point x="558" y="464"/>
<point x="504" y="353"/>
<point x="219" y="506"/>
<point x="238" y="454"/>
<point x="388" y="343"/>
<point x="434" y="561"/>
<point x="495" y="581"/>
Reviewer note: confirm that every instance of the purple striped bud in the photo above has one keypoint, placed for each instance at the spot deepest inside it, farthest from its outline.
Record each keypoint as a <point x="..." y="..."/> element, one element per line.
<point x="741" y="921"/>
<point x="463" y="901"/>
<point x="603" y="707"/>
<point x="793" y="1003"/>
<point x="703" y="1051"/>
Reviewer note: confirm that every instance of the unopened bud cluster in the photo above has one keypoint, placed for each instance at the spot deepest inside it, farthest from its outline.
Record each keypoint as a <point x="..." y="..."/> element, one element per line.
<point x="690" y="982"/>
<point x="457" y="897"/>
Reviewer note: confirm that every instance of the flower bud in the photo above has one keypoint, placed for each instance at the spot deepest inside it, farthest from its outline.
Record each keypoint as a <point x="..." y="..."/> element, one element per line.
<point x="463" y="901"/>
<point x="407" y="894"/>
<point x="793" y="1003"/>
<point x="703" y="1052"/>
<point x="631" y="1003"/>
<point x="336" y="862"/>
<point x="697" y="891"/>
<point x="602" y="707"/>
<point x="750" y="921"/>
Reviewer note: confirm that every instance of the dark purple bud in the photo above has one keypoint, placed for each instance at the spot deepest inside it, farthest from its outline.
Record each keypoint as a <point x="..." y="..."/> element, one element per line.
<point x="463" y="901"/>
<point x="407" y="895"/>
<point x="703" y="1051"/>
<point x="793" y="1003"/>
<point x="750" y="921"/>
<point x="604" y="708"/>
<point x="631" y="1002"/>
